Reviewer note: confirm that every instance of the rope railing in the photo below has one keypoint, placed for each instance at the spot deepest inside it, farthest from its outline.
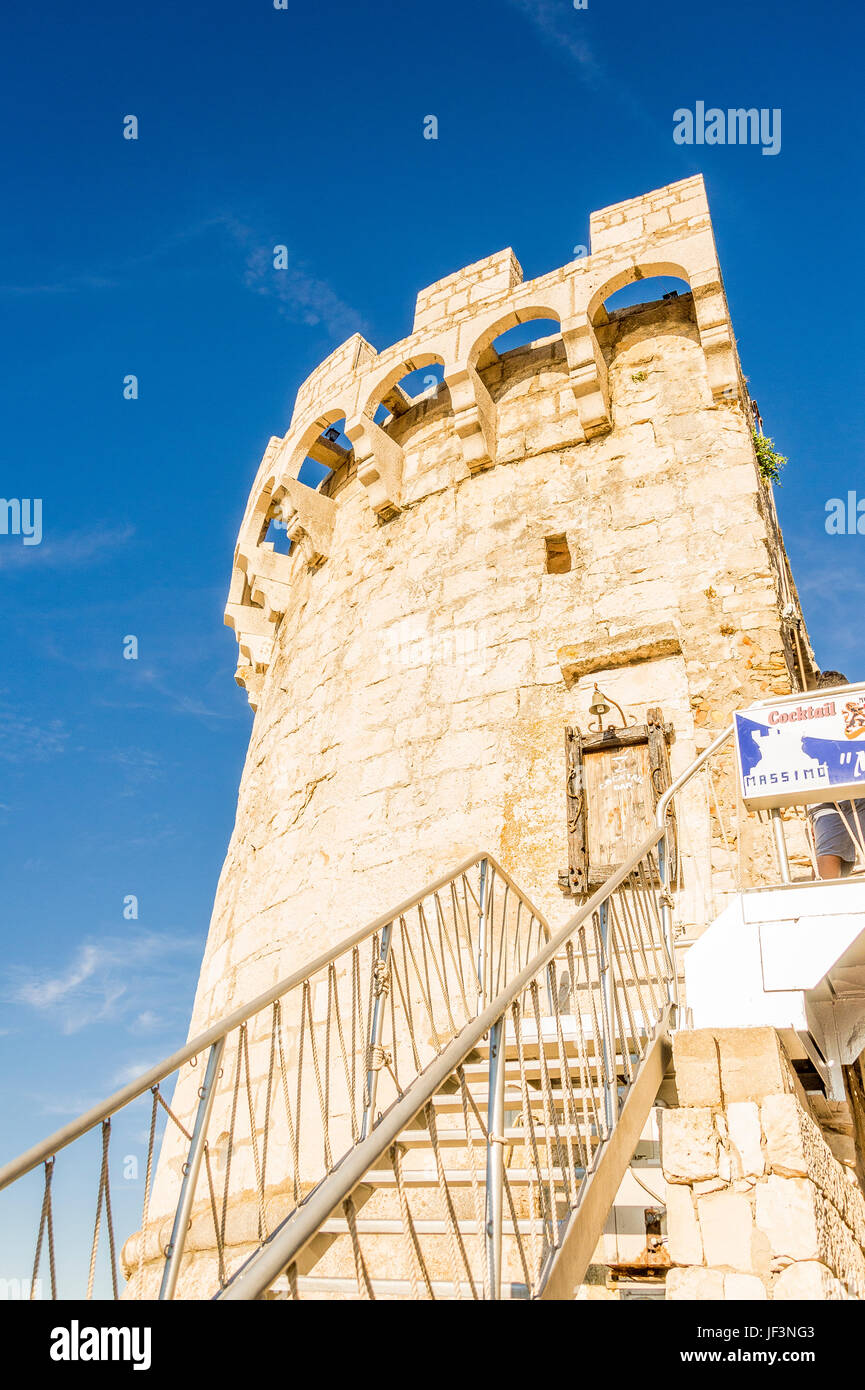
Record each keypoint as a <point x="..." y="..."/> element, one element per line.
<point x="292" y="1081"/>
<point x="452" y="1055"/>
<point x="543" y="1072"/>
<point x="574" y="1049"/>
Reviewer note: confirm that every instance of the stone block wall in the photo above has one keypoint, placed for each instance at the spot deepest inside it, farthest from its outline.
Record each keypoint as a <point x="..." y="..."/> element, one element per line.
<point x="413" y="660"/>
<point x="496" y="273"/>
<point x="682" y="203"/>
<point x="758" y="1206"/>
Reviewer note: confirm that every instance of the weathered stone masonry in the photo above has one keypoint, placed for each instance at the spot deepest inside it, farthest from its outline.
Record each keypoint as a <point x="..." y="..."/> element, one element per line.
<point x="758" y="1206"/>
<point x="412" y="662"/>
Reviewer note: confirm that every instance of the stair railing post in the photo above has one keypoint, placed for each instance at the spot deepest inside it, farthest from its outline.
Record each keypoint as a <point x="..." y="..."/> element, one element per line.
<point x="608" y="1043"/>
<point x="375" y="1057"/>
<point x="495" y="1157"/>
<point x="666" y="903"/>
<point x="482" y="939"/>
<point x="183" y="1210"/>
<point x="781" y="845"/>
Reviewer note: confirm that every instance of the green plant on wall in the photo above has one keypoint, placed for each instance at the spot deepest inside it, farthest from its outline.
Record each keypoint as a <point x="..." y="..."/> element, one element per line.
<point x="769" y="461"/>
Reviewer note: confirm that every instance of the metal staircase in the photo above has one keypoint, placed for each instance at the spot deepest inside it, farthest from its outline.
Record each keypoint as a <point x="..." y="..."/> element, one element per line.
<point x="491" y="1233"/>
<point x="442" y="1107"/>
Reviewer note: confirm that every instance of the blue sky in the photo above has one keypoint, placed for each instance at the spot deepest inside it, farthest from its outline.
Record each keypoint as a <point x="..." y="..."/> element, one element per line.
<point x="304" y="127"/>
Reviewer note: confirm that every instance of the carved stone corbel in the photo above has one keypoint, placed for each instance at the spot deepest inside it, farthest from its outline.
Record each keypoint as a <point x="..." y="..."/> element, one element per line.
<point x="380" y="462"/>
<point x="716" y="339"/>
<point x="249" y="623"/>
<point x="474" y="416"/>
<point x="309" y="520"/>
<point x="588" y="375"/>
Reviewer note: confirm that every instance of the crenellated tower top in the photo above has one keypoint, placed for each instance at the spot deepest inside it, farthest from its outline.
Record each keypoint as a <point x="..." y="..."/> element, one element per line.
<point x="666" y="232"/>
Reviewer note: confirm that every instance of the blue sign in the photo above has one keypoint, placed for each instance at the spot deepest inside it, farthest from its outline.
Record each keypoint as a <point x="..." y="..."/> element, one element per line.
<point x="802" y="748"/>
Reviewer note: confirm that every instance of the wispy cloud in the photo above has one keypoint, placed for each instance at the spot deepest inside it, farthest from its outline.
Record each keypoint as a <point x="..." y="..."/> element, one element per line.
<point x="557" y="21"/>
<point x="562" y="28"/>
<point x="150" y="678"/>
<point x="107" y="979"/>
<point x="75" y="550"/>
<point x="130" y="1070"/>
<point x="302" y="295"/>
<point x="146" y="1022"/>
<point x="43" y="993"/>
<point x="79" y="281"/>
<point x="73" y="284"/>
<point x="24" y="740"/>
<point x="137" y="766"/>
<point x="831" y="584"/>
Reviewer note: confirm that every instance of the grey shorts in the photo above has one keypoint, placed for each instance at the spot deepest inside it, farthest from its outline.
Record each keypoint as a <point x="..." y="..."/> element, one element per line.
<point x="831" y="835"/>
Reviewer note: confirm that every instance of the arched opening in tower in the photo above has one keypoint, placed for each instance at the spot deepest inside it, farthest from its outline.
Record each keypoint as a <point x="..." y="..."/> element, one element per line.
<point x="649" y="289"/>
<point x="532" y="331"/>
<point x="418" y="384"/>
<point x="328" y="457"/>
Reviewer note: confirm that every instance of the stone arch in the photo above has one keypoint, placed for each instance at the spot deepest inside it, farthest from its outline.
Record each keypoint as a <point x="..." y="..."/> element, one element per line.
<point x="627" y="275"/>
<point x="649" y="289"/>
<point x="301" y="443"/>
<point x="475" y="419"/>
<point x="710" y="309"/>
<point x="258" y="517"/>
<point x="386" y="389"/>
<point x="502" y="323"/>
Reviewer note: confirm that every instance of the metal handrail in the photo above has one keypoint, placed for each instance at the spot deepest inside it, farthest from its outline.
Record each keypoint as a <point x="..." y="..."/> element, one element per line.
<point x="289" y="1239"/>
<point x="374" y="1141"/>
<point x="68" y="1133"/>
<point x="680" y="782"/>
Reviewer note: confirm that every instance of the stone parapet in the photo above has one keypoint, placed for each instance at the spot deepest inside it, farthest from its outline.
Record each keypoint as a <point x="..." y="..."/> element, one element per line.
<point x="666" y="232"/>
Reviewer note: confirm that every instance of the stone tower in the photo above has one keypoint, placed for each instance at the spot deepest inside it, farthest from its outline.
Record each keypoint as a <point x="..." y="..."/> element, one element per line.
<point x="585" y="508"/>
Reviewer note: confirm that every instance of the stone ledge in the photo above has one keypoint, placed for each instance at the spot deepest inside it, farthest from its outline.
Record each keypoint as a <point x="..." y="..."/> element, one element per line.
<point x="625" y="649"/>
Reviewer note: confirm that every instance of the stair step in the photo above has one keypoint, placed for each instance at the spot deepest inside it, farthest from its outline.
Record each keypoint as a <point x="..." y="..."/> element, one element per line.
<point x="577" y="1036"/>
<point x="450" y="1102"/>
<point x="338" y="1226"/>
<point x="574" y="1049"/>
<point x="346" y="1287"/>
<point x="455" y="1177"/>
<point x="456" y="1138"/>
<point x="476" y="1071"/>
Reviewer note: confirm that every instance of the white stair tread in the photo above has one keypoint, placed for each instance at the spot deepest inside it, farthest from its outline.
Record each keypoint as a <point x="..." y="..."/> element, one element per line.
<point x="380" y="1226"/>
<point x="456" y="1138"/>
<point x="455" y="1177"/>
<point x="450" y="1102"/>
<point x="395" y="1288"/>
<point x="477" y="1071"/>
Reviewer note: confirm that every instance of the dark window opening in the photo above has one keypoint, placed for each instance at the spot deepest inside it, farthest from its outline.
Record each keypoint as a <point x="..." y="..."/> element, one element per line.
<point x="558" y="555"/>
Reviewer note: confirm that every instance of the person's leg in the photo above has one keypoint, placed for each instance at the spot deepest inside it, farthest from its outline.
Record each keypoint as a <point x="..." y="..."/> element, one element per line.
<point x="833" y="845"/>
<point x="829" y="865"/>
